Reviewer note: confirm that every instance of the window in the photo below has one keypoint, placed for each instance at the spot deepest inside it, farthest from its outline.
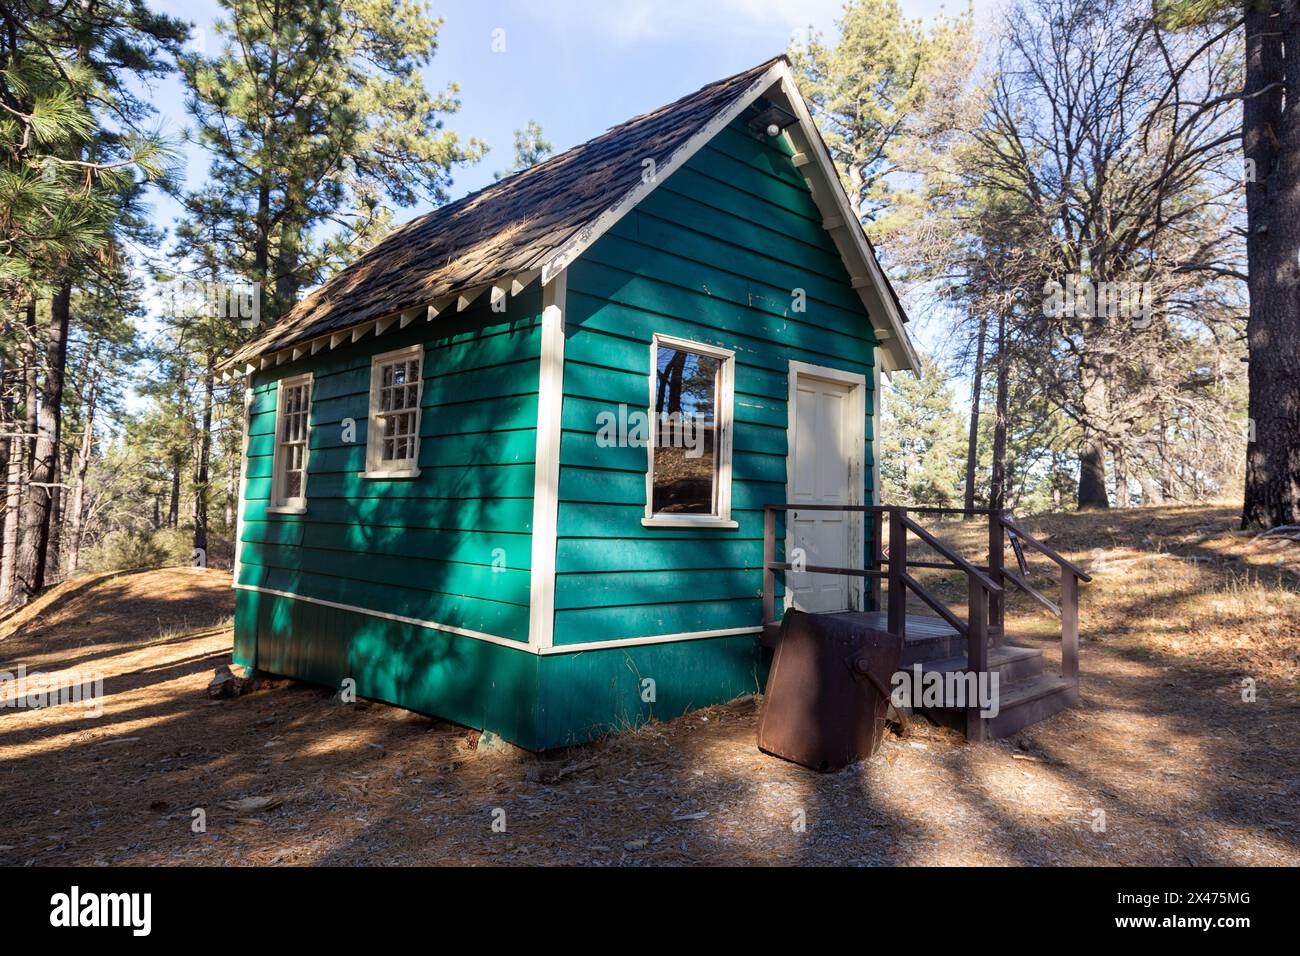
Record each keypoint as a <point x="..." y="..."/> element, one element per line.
<point x="393" y="439"/>
<point x="689" y="477"/>
<point x="292" y="426"/>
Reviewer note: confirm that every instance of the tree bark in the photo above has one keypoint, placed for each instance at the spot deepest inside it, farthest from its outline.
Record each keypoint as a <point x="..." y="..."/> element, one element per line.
<point x="8" y="448"/>
<point x="77" y="502"/>
<point x="1271" y="143"/>
<point x="1120" y="459"/>
<point x="1092" y="449"/>
<point x="20" y="458"/>
<point x="19" y="455"/>
<point x="972" y="440"/>
<point x="998" y="481"/>
<point x="174" y="508"/>
<point x="54" y="557"/>
<point x="34" y="549"/>
<point x="201" y="463"/>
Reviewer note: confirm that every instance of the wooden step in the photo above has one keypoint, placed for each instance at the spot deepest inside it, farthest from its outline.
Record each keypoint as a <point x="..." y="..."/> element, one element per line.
<point x="1020" y="703"/>
<point x="1027" y="702"/>
<point x="1012" y="663"/>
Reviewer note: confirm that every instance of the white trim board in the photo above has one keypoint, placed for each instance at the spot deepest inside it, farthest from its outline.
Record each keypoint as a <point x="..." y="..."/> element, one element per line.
<point x="546" y="470"/>
<point x="875" y="434"/>
<point x="567" y="253"/>
<point x="842" y="223"/>
<point x="242" y="501"/>
<point x="526" y="647"/>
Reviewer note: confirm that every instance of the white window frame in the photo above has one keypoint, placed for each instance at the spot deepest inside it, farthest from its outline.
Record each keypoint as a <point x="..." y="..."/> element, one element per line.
<point x="279" y="503"/>
<point x="375" y="468"/>
<point x="723" y="412"/>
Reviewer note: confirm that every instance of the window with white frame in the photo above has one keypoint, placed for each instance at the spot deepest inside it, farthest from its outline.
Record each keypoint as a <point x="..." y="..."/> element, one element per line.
<point x="689" y="477"/>
<point x="292" y="423"/>
<point x="393" y="439"/>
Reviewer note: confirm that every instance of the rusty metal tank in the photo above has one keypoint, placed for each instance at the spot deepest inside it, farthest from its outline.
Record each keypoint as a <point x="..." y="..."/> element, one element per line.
<point x="828" y="690"/>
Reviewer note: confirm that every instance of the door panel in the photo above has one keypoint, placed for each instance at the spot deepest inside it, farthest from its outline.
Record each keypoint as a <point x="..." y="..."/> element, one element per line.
<point x="822" y="473"/>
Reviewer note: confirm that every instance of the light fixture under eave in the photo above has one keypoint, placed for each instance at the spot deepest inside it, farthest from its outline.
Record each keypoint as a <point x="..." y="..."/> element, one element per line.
<point x="769" y="119"/>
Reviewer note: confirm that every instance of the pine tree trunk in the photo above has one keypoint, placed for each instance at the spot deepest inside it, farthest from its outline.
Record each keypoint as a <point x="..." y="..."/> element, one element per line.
<point x="998" y="481"/>
<point x="77" y="504"/>
<point x="232" y="492"/>
<point x="972" y="439"/>
<point x="1271" y="142"/>
<point x="201" y="464"/>
<point x="174" y="508"/>
<point x="1120" y="460"/>
<point x="37" y="512"/>
<point x="54" y="558"/>
<point x="13" y="504"/>
<point x="9" y="448"/>
<point x="1092" y="450"/>
<point x="19" y="455"/>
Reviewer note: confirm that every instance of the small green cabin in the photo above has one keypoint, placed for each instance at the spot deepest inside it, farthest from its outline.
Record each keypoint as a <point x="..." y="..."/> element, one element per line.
<point x="509" y="467"/>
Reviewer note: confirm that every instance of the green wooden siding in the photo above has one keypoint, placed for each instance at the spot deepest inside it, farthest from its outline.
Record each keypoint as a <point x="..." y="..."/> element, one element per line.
<point x="473" y="682"/>
<point x="712" y="255"/>
<point x="585" y="695"/>
<point x="425" y="547"/>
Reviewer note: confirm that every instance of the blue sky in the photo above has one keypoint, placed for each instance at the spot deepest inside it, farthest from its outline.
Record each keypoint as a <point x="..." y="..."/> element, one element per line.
<point x="575" y="66"/>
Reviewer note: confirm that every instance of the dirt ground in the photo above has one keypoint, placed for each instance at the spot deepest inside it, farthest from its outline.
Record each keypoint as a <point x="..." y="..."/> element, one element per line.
<point x="1162" y="763"/>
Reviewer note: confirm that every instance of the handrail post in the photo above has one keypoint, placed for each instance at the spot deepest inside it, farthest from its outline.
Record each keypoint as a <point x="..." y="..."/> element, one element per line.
<point x="897" y="568"/>
<point x="976" y="651"/>
<point x="997" y="556"/>
<point x="1069" y="626"/>
<point x="769" y="556"/>
<point x="877" y="555"/>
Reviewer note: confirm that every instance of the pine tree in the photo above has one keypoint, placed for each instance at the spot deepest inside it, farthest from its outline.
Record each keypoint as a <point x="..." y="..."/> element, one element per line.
<point x="530" y="149"/>
<point x="921" y="440"/>
<point x="316" y="114"/>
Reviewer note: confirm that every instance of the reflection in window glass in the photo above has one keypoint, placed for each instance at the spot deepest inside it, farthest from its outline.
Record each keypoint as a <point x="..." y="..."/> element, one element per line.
<point x="686" y="430"/>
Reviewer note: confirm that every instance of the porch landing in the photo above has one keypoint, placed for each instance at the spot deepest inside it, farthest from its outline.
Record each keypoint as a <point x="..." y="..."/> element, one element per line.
<point x="924" y="634"/>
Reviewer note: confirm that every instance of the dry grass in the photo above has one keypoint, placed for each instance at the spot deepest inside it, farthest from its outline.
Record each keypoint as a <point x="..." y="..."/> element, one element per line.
<point x="1184" y="770"/>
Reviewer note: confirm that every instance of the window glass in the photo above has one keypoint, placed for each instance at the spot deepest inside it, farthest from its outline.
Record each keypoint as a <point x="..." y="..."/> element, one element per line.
<point x="291" y="439"/>
<point x="395" y="409"/>
<point x="685" y="432"/>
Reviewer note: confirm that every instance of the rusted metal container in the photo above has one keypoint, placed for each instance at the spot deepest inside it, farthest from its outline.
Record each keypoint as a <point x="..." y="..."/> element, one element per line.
<point x="828" y="691"/>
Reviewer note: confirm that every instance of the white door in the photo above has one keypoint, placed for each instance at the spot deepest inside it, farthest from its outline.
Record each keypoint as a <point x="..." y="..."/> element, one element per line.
<point x="826" y="431"/>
